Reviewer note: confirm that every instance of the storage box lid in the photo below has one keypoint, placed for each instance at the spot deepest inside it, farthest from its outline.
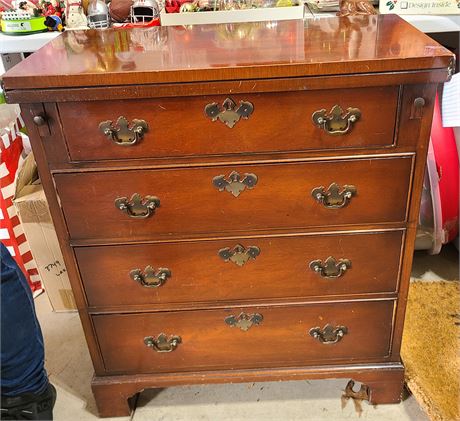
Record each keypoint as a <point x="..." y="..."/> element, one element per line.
<point x="201" y="53"/>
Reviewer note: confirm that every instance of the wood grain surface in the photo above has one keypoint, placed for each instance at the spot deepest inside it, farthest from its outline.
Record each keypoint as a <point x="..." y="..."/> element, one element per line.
<point x="281" y="339"/>
<point x="199" y="274"/>
<point x="287" y="70"/>
<point x="190" y="203"/>
<point x="328" y="46"/>
<point x="281" y="121"/>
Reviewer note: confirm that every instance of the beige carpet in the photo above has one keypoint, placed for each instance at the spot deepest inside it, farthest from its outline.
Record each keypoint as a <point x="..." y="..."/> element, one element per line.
<point x="431" y="347"/>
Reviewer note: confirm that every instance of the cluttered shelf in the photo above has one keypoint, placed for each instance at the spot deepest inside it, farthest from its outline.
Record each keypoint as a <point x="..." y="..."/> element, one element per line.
<point x="425" y="23"/>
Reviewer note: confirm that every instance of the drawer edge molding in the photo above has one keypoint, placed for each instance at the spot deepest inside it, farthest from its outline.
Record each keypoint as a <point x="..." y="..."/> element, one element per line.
<point x="205" y="163"/>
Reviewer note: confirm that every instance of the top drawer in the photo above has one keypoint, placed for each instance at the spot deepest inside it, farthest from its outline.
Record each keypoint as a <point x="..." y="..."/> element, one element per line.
<point x="277" y="122"/>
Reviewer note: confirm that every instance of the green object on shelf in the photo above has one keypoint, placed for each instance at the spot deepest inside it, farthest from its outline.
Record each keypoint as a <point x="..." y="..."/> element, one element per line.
<point x="24" y="26"/>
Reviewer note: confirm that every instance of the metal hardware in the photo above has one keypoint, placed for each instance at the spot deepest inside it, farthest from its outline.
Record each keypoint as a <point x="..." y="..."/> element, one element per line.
<point x="228" y="112"/>
<point x="357" y="397"/>
<point x="239" y="254"/>
<point x="335" y="122"/>
<point x="361" y="394"/>
<point x="122" y="133"/>
<point x="234" y="184"/>
<point x="137" y="207"/>
<point x="162" y="343"/>
<point x="416" y="111"/>
<point x="150" y="278"/>
<point x="451" y="69"/>
<point x="333" y="198"/>
<point x="329" y="334"/>
<point x="419" y="102"/>
<point x="39" y="120"/>
<point x="244" y="321"/>
<point x="331" y="268"/>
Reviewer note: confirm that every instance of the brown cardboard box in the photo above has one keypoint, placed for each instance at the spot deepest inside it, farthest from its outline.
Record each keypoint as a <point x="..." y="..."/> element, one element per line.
<point x="34" y="214"/>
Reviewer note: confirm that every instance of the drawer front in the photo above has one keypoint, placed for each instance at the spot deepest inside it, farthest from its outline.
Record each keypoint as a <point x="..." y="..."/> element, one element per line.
<point x="189" y="202"/>
<point x="241" y="269"/>
<point x="242" y="338"/>
<point x="280" y="121"/>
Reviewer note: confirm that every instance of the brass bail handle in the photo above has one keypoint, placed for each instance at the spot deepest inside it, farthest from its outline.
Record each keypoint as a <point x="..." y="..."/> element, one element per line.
<point x="162" y="343"/>
<point x="150" y="277"/>
<point x="331" y="268"/>
<point x="328" y="334"/>
<point x="123" y="132"/>
<point x="137" y="206"/>
<point x="336" y="122"/>
<point x="334" y="197"/>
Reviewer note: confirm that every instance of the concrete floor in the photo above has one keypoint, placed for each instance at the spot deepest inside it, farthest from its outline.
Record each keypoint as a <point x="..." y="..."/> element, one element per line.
<point x="70" y="370"/>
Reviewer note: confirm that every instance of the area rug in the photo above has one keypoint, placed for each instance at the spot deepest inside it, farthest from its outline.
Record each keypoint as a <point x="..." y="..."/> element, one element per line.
<point x="431" y="347"/>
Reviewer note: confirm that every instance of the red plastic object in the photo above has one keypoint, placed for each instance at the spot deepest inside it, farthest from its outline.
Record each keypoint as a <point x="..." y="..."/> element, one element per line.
<point x="447" y="165"/>
<point x="152" y="23"/>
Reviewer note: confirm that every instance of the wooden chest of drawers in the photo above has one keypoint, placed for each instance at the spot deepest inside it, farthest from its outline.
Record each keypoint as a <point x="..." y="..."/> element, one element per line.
<point x="236" y="208"/>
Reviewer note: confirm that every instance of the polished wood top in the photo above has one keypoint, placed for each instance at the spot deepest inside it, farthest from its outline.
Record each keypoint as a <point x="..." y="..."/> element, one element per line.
<point x="326" y="46"/>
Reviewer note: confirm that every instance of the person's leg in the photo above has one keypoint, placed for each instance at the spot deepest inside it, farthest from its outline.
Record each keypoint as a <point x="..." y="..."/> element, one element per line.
<point x="25" y="390"/>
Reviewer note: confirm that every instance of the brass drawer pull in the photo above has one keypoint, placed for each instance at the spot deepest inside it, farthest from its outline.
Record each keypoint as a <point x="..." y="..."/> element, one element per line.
<point x="336" y="123"/>
<point x="239" y="254"/>
<point x="244" y="321"/>
<point x="138" y="207"/>
<point x="150" y="277"/>
<point x="234" y="184"/>
<point x="122" y="133"/>
<point x="329" y="334"/>
<point x="333" y="197"/>
<point x="331" y="268"/>
<point x="162" y="343"/>
<point x="228" y="113"/>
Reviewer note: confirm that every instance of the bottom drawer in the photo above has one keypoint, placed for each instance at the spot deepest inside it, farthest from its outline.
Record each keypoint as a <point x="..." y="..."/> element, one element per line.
<point x="249" y="337"/>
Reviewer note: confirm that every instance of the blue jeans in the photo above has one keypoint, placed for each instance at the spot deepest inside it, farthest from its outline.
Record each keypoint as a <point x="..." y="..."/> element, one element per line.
<point x="22" y="352"/>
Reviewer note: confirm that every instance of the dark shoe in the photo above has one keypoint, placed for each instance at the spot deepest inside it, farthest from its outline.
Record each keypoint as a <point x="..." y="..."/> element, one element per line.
<point x="29" y="406"/>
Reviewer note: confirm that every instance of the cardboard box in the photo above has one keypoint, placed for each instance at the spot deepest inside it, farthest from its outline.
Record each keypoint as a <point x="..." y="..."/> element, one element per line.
<point x="420" y="7"/>
<point x="233" y="16"/>
<point x="33" y="211"/>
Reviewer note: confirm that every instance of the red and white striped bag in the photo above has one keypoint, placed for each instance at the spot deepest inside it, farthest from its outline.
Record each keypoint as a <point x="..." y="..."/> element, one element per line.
<point x="14" y="148"/>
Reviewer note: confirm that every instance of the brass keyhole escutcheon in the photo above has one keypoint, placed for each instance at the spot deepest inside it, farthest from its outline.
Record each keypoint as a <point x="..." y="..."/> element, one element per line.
<point x="229" y="113"/>
<point x="244" y="321"/>
<point x="239" y="254"/>
<point x="235" y="183"/>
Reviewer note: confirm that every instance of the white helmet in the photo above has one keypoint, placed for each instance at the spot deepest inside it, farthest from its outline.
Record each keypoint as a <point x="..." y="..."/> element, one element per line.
<point x="144" y="11"/>
<point x="98" y="14"/>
